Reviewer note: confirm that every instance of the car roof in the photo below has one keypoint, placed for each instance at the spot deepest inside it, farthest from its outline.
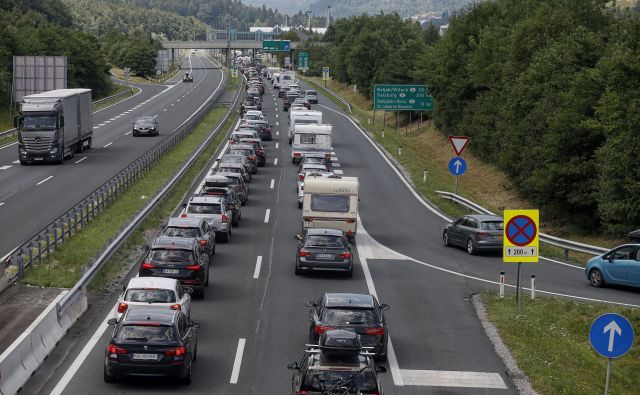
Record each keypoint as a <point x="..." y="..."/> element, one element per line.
<point x="216" y="178"/>
<point x="320" y="232"/>
<point x="241" y="146"/>
<point x="230" y="175"/>
<point x="142" y="315"/>
<point x="235" y="165"/>
<point x="348" y="300"/>
<point x="178" y="243"/>
<point x="145" y="118"/>
<point x="206" y="199"/>
<point x="485" y="217"/>
<point x="153" y="282"/>
<point x="184" y="222"/>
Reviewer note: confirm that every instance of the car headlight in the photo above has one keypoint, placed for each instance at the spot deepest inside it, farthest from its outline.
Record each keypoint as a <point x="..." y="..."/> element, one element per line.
<point x="54" y="150"/>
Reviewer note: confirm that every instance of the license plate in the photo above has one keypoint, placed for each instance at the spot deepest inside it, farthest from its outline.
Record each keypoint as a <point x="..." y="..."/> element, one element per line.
<point x="324" y="256"/>
<point x="170" y="271"/>
<point x="38" y="158"/>
<point x="145" y="357"/>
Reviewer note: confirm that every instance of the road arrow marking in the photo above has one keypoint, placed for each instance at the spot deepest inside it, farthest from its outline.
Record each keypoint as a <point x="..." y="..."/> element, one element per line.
<point x="612" y="328"/>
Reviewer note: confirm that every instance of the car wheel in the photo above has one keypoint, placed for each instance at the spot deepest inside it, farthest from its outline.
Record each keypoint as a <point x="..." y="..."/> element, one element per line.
<point x="235" y="222"/>
<point x="350" y="273"/>
<point x="471" y="248"/>
<point x="299" y="205"/>
<point x="298" y="270"/>
<point x="186" y="380"/>
<point x="108" y="378"/>
<point x="289" y="140"/>
<point x="445" y="239"/>
<point x="595" y="278"/>
<point x="206" y="280"/>
<point x="195" y="354"/>
<point x="225" y="238"/>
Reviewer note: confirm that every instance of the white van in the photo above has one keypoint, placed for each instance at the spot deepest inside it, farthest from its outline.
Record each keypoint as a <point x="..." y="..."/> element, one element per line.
<point x="271" y="71"/>
<point x="286" y="79"/>
<point x="330" y="202"/>
<point x="311" y="138"/>
<point x="303" y="117"/>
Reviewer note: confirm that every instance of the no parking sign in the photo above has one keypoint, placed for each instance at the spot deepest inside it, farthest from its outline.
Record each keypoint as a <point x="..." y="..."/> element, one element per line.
<point x="521" y="243"/>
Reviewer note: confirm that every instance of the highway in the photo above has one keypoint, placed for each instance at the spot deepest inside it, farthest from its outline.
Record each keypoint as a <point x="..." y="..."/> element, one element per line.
<point x="33" y="196"/>
<point x="253" y="319"/>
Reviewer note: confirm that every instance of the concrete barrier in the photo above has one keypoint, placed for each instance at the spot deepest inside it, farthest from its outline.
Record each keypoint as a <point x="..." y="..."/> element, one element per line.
<point x="23" y="357"/>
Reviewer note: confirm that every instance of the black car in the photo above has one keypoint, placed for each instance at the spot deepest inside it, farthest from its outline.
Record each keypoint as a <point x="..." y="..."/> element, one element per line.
<point x="196" y="228"/>
<point x="179" y="258"/>
<point x="187" y="77"/>
<point x="145" y="125"/>
<point x="338" y="365"/>
<point x="355" y="312"/>
<point x="151" y="342"/>
<point x="233" y="201"/>
<point x="257" y="146"/>
<point x="475" y="232"/>
<point x="283" y="92"/>
<point x="324" y="249"/>
<point x="289" y="98"/>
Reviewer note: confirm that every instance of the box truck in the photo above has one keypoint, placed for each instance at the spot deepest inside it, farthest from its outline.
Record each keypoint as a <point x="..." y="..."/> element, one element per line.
<point x="54" y="125"/>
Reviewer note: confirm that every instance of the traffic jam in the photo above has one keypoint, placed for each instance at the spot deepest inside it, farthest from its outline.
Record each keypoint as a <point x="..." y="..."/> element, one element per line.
<point x="154" y="333"/>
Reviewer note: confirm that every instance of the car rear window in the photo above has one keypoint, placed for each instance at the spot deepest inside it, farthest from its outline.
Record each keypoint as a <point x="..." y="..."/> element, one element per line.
<point x="492" y="225"/>
<point x="180" y="256"/>
<point x="182" y="232"/>
<point x="324" y="241"/>
<point x="150" y="296"/>
<point x="145" y="333"/>
<point x="330" y="203"/>
<point x="197" y="208"/>
<point x="321" y="380"/>
<point x="230" y="169"/>
<point x="337" y="316"/>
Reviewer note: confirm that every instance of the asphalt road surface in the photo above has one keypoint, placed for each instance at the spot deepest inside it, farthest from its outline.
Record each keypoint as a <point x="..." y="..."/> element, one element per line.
<point x="253" y="319"/>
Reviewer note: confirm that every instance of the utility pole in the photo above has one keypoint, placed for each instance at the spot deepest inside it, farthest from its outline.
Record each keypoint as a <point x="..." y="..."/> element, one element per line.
<point x="328" y="15"/>
<point x="309" y="11"/>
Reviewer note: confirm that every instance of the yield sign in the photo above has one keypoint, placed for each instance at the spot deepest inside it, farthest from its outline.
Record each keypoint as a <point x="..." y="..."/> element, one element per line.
<point x="459" y="143"/>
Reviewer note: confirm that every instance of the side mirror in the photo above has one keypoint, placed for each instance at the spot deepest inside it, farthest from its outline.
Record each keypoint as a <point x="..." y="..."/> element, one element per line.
<point x="62" y="122"/>
<point x="112" y="321"/>
<point x="195" y="324"/>
<point x="310" y="304"/>
<point x="146" y="247"/>
<point x="609" y="258"/>
<point x="188" y="290"/>
<point x="293" y="366"/>
<point x="381" y="369"/>
<point x="120" y="288"/>
<point x="384" y="307"/>
<point x="184" y="205"/>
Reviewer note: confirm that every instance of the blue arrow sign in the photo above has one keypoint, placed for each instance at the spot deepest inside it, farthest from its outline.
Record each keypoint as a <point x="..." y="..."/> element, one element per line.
<point x="457" y="166"/>
<point x="611" y="335"/>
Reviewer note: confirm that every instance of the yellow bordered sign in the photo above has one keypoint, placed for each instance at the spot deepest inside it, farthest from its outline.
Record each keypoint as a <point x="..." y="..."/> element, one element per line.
<point x="520" y="236"/>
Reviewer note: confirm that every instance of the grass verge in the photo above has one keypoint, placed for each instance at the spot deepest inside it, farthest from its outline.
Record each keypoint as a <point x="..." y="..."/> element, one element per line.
<point x="551" y="344"/>
<point x="119" y="73"/>
<point x="117" y="89"/>
<point x="64" y="267"/>
<point x="425" y="148"/>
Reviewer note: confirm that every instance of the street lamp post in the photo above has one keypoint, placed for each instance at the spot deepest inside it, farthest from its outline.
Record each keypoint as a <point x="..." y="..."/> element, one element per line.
<point x="309" y="12"/>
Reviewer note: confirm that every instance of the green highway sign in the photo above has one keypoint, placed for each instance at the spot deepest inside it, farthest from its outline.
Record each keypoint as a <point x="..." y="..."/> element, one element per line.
<point x="303" y="60"/>
<point x="276" y="45"/>
<point x="393" y="97"/>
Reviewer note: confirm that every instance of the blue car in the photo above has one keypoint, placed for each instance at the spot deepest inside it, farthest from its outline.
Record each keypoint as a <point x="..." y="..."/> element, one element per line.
<point x="618" y="266"/>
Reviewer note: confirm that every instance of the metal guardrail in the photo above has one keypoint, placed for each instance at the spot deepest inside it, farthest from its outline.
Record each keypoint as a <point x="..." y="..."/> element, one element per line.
<point x="332" y="93"/>
<point x="44" y="242"/>
<point x="8" y="133"/>
<point x="566" y="245"/>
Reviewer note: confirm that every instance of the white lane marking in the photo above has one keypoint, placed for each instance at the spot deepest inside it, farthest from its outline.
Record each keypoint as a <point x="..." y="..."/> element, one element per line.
<point x="2" y="204"/>
<point x="16" y="162"/>
<point x="277" y="145"/>
<point x="276" y="115"/>
<point x="275" y="162"/>
<point x="172" y="104"/>
<point x="444" y="378"/>
<point x="277" y="133"/>
<point x="256" y="272"/>
<point x="81" y="159"/>
<point x="9" y="145"/>
<point x="165" y="109"/>
<point x="113" y="119"/>
<point x="338" y="172"/>
<point x="106" y="122"/>
<point x="84" y="353"/>
<point x="237" y="361"/>
<point x="277" y="123"/>
<point x="102" y="124"/>
<point x="266" y="215"/>
<point x="273" y="181"/>
<point x="108" y="145"/>
<point x="563" y="263"/>
<point x="6" y="167"/>
<point x="128" y="133"/>
<point x="45" y="180"/>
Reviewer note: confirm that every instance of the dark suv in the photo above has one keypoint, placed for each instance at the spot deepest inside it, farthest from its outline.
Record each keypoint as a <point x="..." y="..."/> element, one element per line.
<point x="179" y="258"/>
<point x="355" y="312"/>
<point x="151" y="342"/>
<point x="338" y="365"/>
<point x="196" y="228"/>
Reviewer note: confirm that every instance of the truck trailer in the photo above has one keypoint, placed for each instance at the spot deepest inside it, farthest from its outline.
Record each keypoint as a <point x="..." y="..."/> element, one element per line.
<point x="54" y="125"/>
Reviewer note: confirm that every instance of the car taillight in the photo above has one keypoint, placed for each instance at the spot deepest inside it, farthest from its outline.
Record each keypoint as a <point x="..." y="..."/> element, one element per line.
<point x="148" y="265"/>
<point x="345" y="255"/>
<point x="297" y="154"/>
<point x="301" y="177"/>
<point x="350" y="221"/>
<point x="483" y="234"/>
<point x="178" y="352"/>
<point x="183" y="215"/>
<point x="302" y="392"/>
<point x="349" y="233"/>
<point x="225" y="218"/>
<point x="176" y="306"/>
<point x="375" y="331"/>
<point x="307" y="219"/>
<point x="204" y="243"/>
<point x="303" y="253"/>
<point x="319" y="329"/>
<point x="193" y="267"/>
<point x="252" y="157"/>
<point x="122" y="307"/>
<point x="113" y="349"/>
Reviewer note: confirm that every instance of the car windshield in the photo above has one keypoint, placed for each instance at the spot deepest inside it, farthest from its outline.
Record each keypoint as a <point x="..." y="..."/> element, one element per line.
<point x="230" y="169"/>
<point x="150" y="296"/>
<point x="330" y="203"/>
<point x="324" y="241"/>
<point x="320" y="380"/>
<point x="197" y="208"/>
<point x="492" y="225"/>
<point x="338" y="316"/>
<point x="182" y="232"/>
<point x="45" y="122"/>
<point x="313" y="161"/>
<point x="171" y="256"/>
<point x="145" y="333"/>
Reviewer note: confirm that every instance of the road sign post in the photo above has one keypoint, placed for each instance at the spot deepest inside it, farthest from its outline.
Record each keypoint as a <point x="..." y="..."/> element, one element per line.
<point x="303" y="61"/>
<point x="611" y="335"/>
<point x="325" y="75"/>
<point x="457" y="167"/>
<point x="520" y="241"/>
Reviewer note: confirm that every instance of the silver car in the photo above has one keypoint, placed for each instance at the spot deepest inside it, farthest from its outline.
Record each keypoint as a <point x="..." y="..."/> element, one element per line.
<point x="214" y="210"/>
<point x="237" y="157"/>
<point x="475" y="232"/>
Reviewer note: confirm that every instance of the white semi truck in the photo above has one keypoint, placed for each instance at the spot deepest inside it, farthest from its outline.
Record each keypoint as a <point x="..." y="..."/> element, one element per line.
<point x="54" y="125"/>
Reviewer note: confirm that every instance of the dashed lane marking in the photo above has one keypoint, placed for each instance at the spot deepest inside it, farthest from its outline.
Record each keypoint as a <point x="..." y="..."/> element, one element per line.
<point x="81" y="159"/>
<point x="6" y="167"/>
<point x="108" y="144"/>
<point x="275" y="162"/>
<point x="45" y="180"/>
<point x="235" y="373"/>
<point x="256" y="272"/>
<point x="273" y="182"/>
<point x="277" y="145"/>
<point x="266" y="215"/>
